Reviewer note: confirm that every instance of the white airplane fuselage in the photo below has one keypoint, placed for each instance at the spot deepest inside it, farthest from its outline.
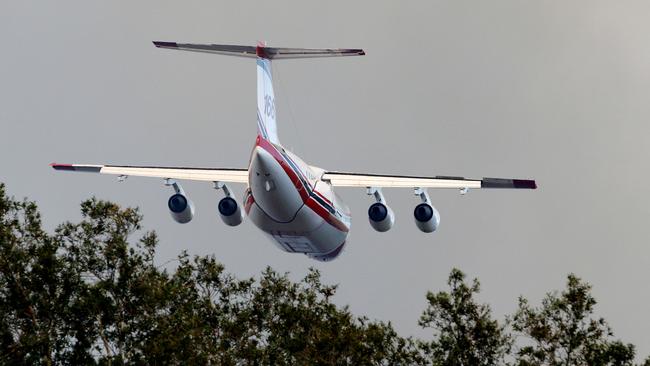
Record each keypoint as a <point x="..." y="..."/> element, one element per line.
<point x="287" y="200"/>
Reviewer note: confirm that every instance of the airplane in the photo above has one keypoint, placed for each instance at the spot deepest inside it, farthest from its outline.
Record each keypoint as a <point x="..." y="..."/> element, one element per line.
<point x="292" y="202"/>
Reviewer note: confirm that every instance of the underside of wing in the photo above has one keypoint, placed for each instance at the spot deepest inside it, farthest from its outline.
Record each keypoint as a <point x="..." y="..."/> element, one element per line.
<point x="183" y="173"/>
<point x="340" y="179"/>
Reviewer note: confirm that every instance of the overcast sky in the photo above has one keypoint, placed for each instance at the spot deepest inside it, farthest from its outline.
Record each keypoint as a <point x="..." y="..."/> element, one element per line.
<point x="556" y="91"/>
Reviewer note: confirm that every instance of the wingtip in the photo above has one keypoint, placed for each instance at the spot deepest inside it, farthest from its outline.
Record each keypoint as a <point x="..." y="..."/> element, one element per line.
<point x="162" y="44"/>
<point x="508" y="183"/>
<point x="57" y="166"/>
<point x="524" y="183"/>
<point x="362" y="53"/>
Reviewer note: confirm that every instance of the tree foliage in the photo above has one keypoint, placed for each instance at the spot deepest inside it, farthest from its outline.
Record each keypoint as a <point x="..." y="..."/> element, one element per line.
<point x="90" y="293"/>
<point x="86" y="295"/>
<point x="465" y="333"/>
<point x="562" y="331"/>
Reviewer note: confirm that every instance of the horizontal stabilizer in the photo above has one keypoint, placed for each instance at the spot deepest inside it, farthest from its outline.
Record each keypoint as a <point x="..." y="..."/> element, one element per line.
<point x="271" y="53"/>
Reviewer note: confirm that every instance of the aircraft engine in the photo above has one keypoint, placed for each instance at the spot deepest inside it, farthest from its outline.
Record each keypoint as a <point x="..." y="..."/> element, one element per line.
<point x="181" y="208"/>
<point x="427" y="217"/>
<point x="230" y="211"/>
<point x="381" y="217"/>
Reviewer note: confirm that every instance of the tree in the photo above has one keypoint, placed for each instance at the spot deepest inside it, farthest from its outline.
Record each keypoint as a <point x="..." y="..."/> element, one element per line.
<point x="39" y="292"/>
<point x="465" y="333"/>
<point x="562" y="331"/>
<point x="92" y="294"/>
<point x="89" y="294"/>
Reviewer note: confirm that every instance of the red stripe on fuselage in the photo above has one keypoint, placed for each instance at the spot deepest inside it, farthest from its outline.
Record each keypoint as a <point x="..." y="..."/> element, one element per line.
<point x="268" y="147"/>
<point x="326" y="215"/>
<point x="293" y="175"/>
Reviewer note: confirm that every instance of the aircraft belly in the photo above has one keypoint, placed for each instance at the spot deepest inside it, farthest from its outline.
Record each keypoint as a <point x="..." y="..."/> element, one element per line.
<point x="308" y="233"/>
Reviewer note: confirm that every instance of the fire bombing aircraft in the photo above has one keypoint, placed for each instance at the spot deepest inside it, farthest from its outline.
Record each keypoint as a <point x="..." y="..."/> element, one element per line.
<point x="291" y="201"/>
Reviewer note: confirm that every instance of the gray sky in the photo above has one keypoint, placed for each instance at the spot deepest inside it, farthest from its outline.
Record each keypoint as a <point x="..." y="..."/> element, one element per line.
<point x="554" y="91"/>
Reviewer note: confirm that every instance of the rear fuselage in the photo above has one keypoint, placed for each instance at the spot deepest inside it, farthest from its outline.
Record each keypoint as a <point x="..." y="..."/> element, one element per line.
<point x="288" y="200"/>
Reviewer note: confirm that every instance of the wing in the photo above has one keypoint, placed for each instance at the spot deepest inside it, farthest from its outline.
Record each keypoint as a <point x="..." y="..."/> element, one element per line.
<point x="339" y="179"/>
<point x="199" y="174"/>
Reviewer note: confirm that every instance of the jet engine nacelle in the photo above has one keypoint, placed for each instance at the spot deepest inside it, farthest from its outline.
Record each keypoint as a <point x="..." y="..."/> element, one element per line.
<point x="427" y="217"/>
<point x="230" y="211"/>
<point x="181" y="208"/>
<point x="381" y="217"/>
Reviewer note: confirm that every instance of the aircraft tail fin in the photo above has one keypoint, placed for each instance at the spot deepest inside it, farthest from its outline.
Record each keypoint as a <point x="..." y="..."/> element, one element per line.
<point x="266" y="125"/>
